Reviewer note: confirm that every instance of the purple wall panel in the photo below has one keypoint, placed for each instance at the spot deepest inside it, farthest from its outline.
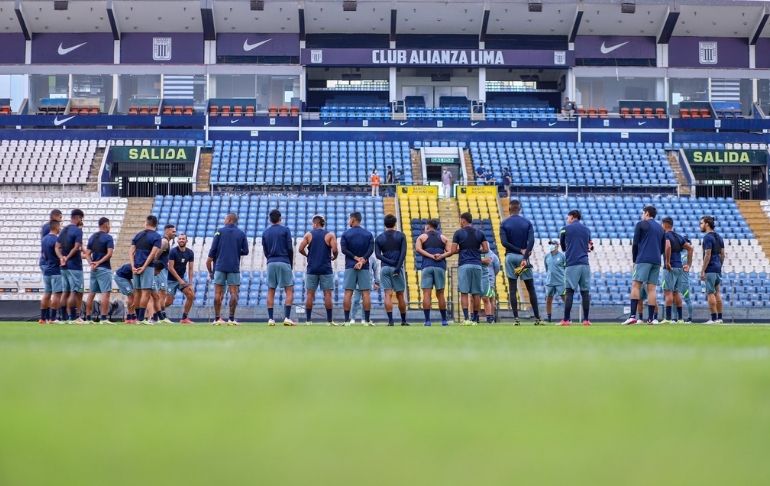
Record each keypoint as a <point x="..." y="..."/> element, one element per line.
<point x="164" y="48"/>
<point x="715" y="52"/>
<point x="258" y="45"/>
<point x="92" y="48"/>
<point x="614" y="47"/>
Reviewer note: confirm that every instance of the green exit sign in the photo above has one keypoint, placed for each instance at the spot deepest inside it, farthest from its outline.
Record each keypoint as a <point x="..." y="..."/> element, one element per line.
<point x="443" y="160"/>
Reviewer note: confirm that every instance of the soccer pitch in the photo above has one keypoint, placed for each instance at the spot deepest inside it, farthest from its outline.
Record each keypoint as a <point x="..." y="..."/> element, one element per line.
<point x="202" y="405"/>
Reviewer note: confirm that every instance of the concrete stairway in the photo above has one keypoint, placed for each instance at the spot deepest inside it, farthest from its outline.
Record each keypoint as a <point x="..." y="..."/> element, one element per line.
<point x="133" y="222"/>
<point x="92" y="183"/>
<point x="416" y="166"/>
<point x="758" y="221"/>
<point x="673" y="161"/>
<point x="468" y="161"/>
<point x="203" y="180"/>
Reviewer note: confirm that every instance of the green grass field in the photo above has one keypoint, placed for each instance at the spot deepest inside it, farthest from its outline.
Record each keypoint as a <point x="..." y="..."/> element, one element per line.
<point x="99" y="405"/>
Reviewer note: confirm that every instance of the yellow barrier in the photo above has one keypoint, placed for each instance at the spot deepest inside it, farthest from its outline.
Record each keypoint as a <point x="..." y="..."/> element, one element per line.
<point x="419" y="190"/>
<point x="478" y="190"/>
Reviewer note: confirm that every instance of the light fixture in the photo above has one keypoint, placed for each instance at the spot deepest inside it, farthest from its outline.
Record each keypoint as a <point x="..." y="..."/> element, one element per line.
<point x="257" y="5"/>
<point x="349" y="5"/>
<point x="628" y="7"/>
<point x="60" y="5"/>
<point x="535" y="6"/>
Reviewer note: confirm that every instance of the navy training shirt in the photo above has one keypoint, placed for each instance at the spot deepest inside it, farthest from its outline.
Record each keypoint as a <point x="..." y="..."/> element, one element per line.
<point x="648" y="242"/>
<point x="517" y="233"/>
<point x="278" y="245"/>
<point x="575" y="239"/>
<point x="68" y="237"/>
<point x="712" y="241"/>
<point x="125" y="272"/>
<point x="356" y="242"/>
<point x="390" y="247"/>
<point x="435" y="246"/>
<point x="99" y="243"/>
<point x="144" y="241"/>
<point x="229" y="245"/>
<point x="44" y="230"/>
<point x="677" y="245"/>
<point x="319" y="254"/>
<point x="469" y="240"/>
<point x="180" y="259"/>
<point x="48" y="254"/>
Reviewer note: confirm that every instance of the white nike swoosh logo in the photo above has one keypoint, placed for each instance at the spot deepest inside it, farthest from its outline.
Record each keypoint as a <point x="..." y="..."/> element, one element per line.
<point x="607" y="50"/>
<point x="327" y="123"/>
<point x="62" y="51"/>
<point x="641" y="123"/>
<point x="552" y="124"/>
<point x="58" y="122"/>
<point x="235" y="121"/>
<point x="403" y="123"/>
<point x="250" y="47"/>
<point x="473" y="124"/>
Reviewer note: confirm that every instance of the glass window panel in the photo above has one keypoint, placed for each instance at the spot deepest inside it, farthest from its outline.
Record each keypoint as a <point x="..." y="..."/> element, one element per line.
<point x="607" y="91"/>
<point x="137" y="87"/>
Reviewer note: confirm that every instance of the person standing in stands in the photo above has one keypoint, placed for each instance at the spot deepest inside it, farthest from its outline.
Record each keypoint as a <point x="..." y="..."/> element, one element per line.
<point x="390" y="248"/>
<point x="646" y="250"/>
<point x="180" y="264"/>
<point x="374" y="180"/>
<point x="145" y="247"/>
<point x="434" y="248"/>
<point x="99" y="252"/>
<point x="390" y="181"/>
<point x="224" y="266"/>
<point x="55" y="215"/>
<point x="575" y="240"/>
<point x="68" y="249"/>
<point x="675" y="273"/>
<point x="319" y="246"/>
<point x="507" y="182"/>
<point x="49" y="305"/>
<point x="357" y="244"/>
<point x="470" y="243"/>
<point x="278" y="248"/>
<point x="518" y="239"/>
<point x="711" y="271"/>
<point x="446" y="183"/>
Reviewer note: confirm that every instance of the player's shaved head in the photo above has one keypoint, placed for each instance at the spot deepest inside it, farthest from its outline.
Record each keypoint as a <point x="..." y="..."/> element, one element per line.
<point x="319" y="221"/>
<point x="55" y="215"/>
<point x="103" y="221"/>
<point x="433" y="223"/>
<point x="231" y="218"/>
<point x="77" y="214"/>
<point x="54" y="225"/>
<point x="275" y="216"/>
<point x="708" y="221"/>
<point x="182" y="240"/>
<point x="152" y="221"/>
<point x="651" y="211"/>
<point x="467" y="217"/>
<point x="356" y="216"/>
<point x="575" y="214"/>
<point x="668" y="221"/>
<point x="390" y="221"/>
<point x="514" y="207"/>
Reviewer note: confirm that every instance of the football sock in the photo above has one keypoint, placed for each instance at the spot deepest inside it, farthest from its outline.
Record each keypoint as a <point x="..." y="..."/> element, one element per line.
<point x="287" y="311"/>
<point x="713" y="316"/>
<point x="44" y="314"/>
<point x="367" y="315"/>
<point x="568" y="304"/>
<point x="634" y="307"/>
<point x="465" y="314"/>
<point x="443" y="314"/>
<point x="680" y="312"/>
<point x="530" y="284"/>
<point x="719" y="316"/>
<point x="184" y="315"/>
<point x="403" y="317"/>
<point x="390" y="317"/>
<point x="490" y="319"/>
<point x="651" y="312"/>
<point x="347" y="315"/>
<point x="475" y="316"/>
<point x="329" y="315"/>
<point x="586" y="298"/>
<point x="426" y="313"/>
<point x="270" y="313"/>
<point x="668" y="312"/>
<point x="513" y="296"/>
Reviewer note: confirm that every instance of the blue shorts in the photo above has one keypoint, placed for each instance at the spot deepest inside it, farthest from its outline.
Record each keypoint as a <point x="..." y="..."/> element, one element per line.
<point x="101" y="280"/>
<point x="551" y="290"/>
<point x="124" y="285"/>
<point x="391" y="280"/>
<point x="646" y="272"/>
<point x="72" y="281"/>
<point x="52" y="284"/>
<point x="578" y="278"/>
<point x="172" y="286"/>
<point x="512" y="261"/>
<point x="713" y="281"/>
<point x="144" y="280"/>
<point x="675" y="280"/>
<point x="312" y="282"/>
<point x="279" y="275"/>
<point x="469" y="281"/>
<point x="357" y="279"/>
<point x="433" y="277"/>
<point x="231" y="279"/>
<point x="160" y="281"/>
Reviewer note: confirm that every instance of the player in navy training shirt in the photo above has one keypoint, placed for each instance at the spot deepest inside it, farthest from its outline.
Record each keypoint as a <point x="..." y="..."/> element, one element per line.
<point x="99" y="252"/>
<point x="224" y="266"/>
<point x="55" y="215"/>
<point x="180" y="264"/>
<point x="145" y="247"/>
<point x="711" y="271"/>
<point x="390" y="248"/>
<point x="49" y="304"/>
<point x="575" y="240"/>
<point x="518" y="239"/>
<point x="675" y="273"/>
<point x="68" y="249"/>
<point x="357" y="244"/>
<point x="278" y="248"/>
<point x="647" y="248"/>
<point x="470" y="243"/>
<point x="319" y="246"/>
<point x="435" y="248"/>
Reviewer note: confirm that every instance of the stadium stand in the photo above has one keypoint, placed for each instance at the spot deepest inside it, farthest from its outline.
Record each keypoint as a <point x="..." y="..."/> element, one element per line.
<point x="21" y="218"/>
<point x="144" y="107"/>
<point x="508" y="112"/>
<point x="52" y="106"/>
<point x="279" y="163"/>
<point x="5" y="106"/>
<point x="577" y="164"/>
<point x="32" y="161"/>
<point x="232" y="107"/>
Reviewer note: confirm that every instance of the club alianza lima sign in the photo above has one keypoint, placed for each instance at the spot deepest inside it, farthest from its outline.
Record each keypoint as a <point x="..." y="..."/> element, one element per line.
<point x="420" y="57"/>
<point x="153" y="154"/>
<point x="727" y="157"/>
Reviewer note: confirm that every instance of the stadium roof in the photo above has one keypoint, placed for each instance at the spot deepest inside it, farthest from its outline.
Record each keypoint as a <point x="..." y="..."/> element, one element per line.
<point x="721" y="18"/>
